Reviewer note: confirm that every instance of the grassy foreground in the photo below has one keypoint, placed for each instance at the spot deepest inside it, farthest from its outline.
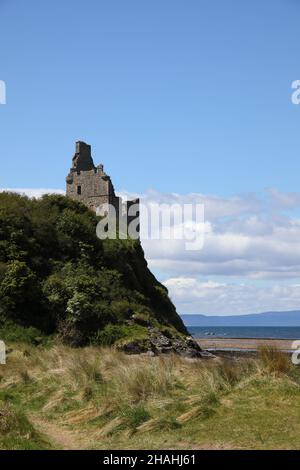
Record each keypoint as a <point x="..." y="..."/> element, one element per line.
<point x="92" y="398"/>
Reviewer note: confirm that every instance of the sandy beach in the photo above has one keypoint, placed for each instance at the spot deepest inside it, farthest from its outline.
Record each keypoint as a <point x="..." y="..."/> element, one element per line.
<point x="243" y="344"/>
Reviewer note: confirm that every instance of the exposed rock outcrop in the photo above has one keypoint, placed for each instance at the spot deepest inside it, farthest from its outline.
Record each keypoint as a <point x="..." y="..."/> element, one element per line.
<point x="159" y="343"/>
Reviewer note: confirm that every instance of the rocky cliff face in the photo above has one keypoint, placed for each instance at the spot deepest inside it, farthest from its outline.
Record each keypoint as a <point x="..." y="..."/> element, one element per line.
<point x="57" y="276"/>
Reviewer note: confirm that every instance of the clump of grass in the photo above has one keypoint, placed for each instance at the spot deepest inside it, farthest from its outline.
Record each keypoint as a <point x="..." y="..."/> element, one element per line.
<point x="8" y="418"/>
<point x="135" y="416"/>
<point x="139" y="381"/>
<point x="220" y="376"/>
<point x="274" y="360"/>
<point x="209" y="405"/>
<point x="229" y="373"/>
<point x="85" y="369"/>
<point x="87" y="393"/>
<point x="24" y="375"/>
<point x="16" y="432"/>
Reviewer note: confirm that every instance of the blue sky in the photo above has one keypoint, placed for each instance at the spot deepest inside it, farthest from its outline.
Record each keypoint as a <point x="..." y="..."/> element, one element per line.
<point x="177" y="97"/>
<point x="172" y="95"/>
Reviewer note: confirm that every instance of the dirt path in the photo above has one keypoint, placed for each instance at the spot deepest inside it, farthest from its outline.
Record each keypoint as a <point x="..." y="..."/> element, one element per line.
<point x="60" y="437"/>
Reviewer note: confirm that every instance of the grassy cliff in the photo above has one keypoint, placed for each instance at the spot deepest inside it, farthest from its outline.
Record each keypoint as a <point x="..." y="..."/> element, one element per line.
<point x="58" y="278"/>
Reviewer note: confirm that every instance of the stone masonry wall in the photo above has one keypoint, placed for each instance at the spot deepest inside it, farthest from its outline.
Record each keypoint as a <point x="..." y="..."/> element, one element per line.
<point x="91" y="185"/>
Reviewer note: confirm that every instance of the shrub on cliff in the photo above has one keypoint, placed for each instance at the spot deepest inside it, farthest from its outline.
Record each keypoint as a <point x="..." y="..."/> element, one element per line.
<point x="57" y="276"/>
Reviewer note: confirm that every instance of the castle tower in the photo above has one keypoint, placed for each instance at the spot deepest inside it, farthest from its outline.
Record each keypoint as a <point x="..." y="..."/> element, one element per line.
<point x="92" y="186"/>
<point x="87" y="183"/>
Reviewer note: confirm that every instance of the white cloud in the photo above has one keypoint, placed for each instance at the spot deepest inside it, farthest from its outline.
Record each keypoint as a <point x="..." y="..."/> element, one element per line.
<point x="34" y="193"/>
<point x="284" y="200"/>
<point x="213" y="298"/>
<point x="250" y="241"/>
<point x="215" y="207"/>
<point x="244" y="236"/>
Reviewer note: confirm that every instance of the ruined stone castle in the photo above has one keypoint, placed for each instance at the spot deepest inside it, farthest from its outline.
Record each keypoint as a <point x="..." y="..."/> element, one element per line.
<point x="90" y="185"/>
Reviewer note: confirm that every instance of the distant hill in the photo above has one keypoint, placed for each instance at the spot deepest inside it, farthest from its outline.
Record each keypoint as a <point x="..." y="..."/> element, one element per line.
<point x="289" y="318"/>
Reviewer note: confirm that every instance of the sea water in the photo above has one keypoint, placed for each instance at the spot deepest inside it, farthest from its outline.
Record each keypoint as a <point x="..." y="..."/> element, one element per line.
<point x="263" y="332"/>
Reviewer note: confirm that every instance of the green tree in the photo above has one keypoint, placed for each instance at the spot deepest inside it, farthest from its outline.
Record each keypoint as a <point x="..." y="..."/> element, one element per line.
<point x="19" y="292"/>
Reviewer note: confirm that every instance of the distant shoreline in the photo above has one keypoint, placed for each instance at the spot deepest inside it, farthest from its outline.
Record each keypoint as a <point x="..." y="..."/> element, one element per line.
<point x="238" y="338"/>
<point x="242" y="345"/>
